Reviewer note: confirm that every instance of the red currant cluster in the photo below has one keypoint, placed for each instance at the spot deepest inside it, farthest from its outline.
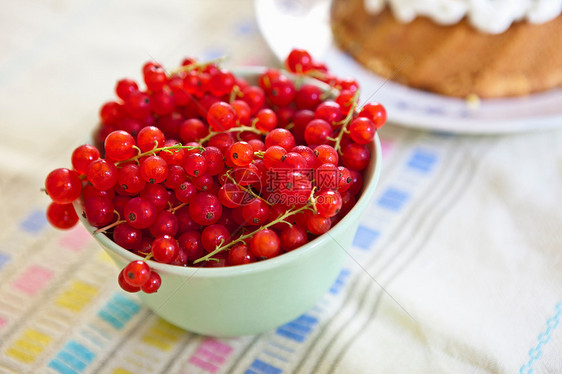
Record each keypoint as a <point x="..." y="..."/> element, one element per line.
<point x="203" y="168"/>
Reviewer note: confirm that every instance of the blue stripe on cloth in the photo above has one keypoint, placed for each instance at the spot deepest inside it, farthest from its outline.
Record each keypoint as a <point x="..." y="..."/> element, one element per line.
<point x="393" y="199"/>
<point x="340" y="281"/>
<point x="422" y="160"/>
<point x="264" y="368"/>
<point x="60" y="367"/>
<point x="4" y="259"/>
<point x="78" y="350"/>
<point x="365" y="237"/>
<point x="299" y="328"/>
<point x="118" y="311"/>
<point x="34" y="222"/>
<point x="543" y="338"/>
<point x="290" y="335"/>
<point x="71" y="361"/>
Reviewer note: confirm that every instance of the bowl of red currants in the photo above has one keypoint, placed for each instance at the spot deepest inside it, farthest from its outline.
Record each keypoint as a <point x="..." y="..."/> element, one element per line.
<point x="228" y="199"/>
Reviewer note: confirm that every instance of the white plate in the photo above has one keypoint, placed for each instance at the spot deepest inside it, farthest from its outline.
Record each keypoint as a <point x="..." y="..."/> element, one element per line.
<point x="286" y="24"/>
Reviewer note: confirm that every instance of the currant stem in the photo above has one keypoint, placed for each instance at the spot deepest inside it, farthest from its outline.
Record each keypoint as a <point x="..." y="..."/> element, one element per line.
<point x="247" y="190"/>
<point x="234" y="129"/>
<point x="345" y="122"/>
<point x="235" y="93"/>
<point x="198" y="65"/>
<point x="173" y="210"/>
<point x="243" y="238"/>
<point x="156" y="150"/>
<point x="110" y="226"/>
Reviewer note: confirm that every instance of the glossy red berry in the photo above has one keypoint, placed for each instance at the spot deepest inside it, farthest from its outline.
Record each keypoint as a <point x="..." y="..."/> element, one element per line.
<point x="137" y="105"/>
<point x="266" y="120"/>
<point x="125" y="87"/>
<point x="195" y="164"/>
<point x="140" y="213"/>
<point x="127" y="236"/>
<point x="318" y="224"/>
<point x="308" y="97"/>
<point x="156" y="194"/>
<point x="280" y="137"/>
<point x="298" y="61"/>
<point x="292" y="237"/>
<point x="136" y="273"/>
<point x="282" y="92"/>
<point x="125" y="286"/>
<point x="240" y="154"/>
<point x="265" y="244"/>
<point x="190" y="241"/>
<point x="154" y="169"/>
<point x="166" y="223"/>
<point x="213" y="236"/>
<point x="130" y="179"/>
<point x="62" y="216"/>
<point x="328" y="203"/>
<point x="375" y="112"/>
<point x="154" y="76"/>
<point x="152" y="284"/>
<point x="63" y="185"/>
<point x="102" y="174"/>
<point x="119" y="145"/>
<point x="355" y="156"/>
<point x="165" y="249"/>
<point x="221" y="116"/>
<point x="255" y="212"/>
<point x="205" y="209"/>
<point x="240" y="254"/>
<point x="317" y="132"/>
<point x="83" y="156"/>
<point x="362" y="130"/>
<point x="150" y="137"/>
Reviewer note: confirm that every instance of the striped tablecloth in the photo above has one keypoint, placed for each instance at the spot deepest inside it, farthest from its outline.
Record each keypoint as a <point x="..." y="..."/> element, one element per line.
<point x="456" y="267"/>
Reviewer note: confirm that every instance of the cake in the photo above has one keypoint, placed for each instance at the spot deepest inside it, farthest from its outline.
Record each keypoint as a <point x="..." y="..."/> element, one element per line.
<point x="488" y="48"/>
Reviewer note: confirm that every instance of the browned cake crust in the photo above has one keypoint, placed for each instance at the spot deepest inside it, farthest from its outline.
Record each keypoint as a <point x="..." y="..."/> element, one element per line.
<point x="452" y="60"/>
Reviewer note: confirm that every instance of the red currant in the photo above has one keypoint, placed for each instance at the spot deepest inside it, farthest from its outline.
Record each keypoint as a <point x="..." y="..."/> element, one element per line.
<point x="152" y="284"/>
<point x="63" y="185"/>
<point x="205" y="209"/>
<point x="221" y="116"/>
<point x="213" y="236"/>
<point x="83" y="156"/>
<point x="265" y="244"/>
<point x="62" y="216"/>
<point x="136" y="273"/>
<point x="140" y="213"/>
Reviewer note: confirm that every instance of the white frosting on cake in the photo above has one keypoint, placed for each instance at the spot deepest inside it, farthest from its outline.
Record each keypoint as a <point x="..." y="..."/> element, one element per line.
<point x="491" y="16"/>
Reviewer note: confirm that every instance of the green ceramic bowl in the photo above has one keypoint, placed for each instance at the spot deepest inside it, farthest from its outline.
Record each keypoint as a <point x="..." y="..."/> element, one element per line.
<point x="257" y="297"/>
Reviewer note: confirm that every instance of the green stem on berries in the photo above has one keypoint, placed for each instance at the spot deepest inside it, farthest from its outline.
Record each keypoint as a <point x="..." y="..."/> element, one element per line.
<point x="345" y="122"/>
<point x="235" y="93"/>
<point x="247" y="190"/>
<point x="234" y="129"/>
<point x="281" y="219"/>
<point x="173" y="210"/>
<point x="156" y="150"/>
<point x="198" y="65"/>
<point x="110" y="226"/>
<point x="243" y="238"/>
<point x="259" y="154"/>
